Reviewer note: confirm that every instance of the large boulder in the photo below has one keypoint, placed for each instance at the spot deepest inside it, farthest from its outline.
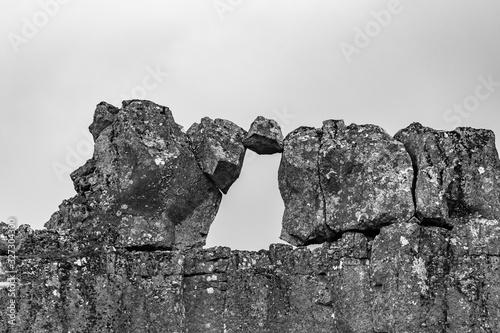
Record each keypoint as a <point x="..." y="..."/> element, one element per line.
<point x="365" y="176"/>
<point x="264" y="137"/>
<point x="298" y="177"/>
<point x="218" y="147"/>
<point x="457" y="173"/>
<point x="143" y="186"/>
<point x="342" y="178"/>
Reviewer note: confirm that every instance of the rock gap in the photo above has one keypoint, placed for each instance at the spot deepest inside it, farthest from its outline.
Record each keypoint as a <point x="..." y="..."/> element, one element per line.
<point x="253" y="207"/>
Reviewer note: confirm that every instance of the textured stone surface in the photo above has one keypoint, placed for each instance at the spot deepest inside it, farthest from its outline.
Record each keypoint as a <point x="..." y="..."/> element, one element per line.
<point x="264" y="136"/>
<point x="12" y="238"/>
<point x="143" y="186"/>
<point x="212" y="290"/>
<point x="458" y="173"/>
<point x="473" y="283"/>
<point x="124" y="254"/>
<point x="409" y="269"/>
<point x="365" y="176"/>
<point x="218" y="147"/>
<point x="408" y="278"/>
<point x="304" y="216"/>
<point x="342" y="178"/>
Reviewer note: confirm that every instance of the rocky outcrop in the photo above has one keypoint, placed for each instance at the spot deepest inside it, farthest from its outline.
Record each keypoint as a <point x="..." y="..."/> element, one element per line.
<point x="342" y="178"/>
<point x="298" y="179"/>
<point x="457" y="173"/>
<point x="365" y="176"/>
<point x="143" y="186"/>
<point x="408" y="278"/>
<point x="408" y="227"/>
<point x="217" y="145"/>
<point x="264" y="137"/>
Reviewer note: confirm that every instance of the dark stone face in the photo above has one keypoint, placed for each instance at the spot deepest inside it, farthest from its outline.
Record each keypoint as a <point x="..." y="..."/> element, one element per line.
<point x="343" y="178"/>
<point x="143" y="182"/>
<point x="124" y="254"/>
<point x="217" y="145"/>
<point x="304" y="216"/>
<point x="366" y="177"/>
<point x="458" y="173"/>
<point x="264" y="137"/>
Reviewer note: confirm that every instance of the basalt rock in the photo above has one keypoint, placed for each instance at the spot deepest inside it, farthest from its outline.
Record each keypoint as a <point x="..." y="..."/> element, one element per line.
<point x="300" y="188"/>
<point x="218" y="147"/>
<point x="124" y="254"/>
<point x="365" y="176"/>
<point x="12" y="238"/>
<point x="408" y="278"/>
<point x="457" y="173"/>
<point x="264" y="137"/>
<point x="341" y="178"/>
<point x="143" y="186"/>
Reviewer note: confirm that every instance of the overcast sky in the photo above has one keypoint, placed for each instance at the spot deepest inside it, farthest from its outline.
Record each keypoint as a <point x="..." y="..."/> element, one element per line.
<point x="300" y="62"/>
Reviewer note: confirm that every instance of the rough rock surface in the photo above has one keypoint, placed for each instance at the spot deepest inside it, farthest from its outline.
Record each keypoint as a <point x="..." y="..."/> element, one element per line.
<point x="341" y="178"/>
<point x="219" y="150"/>
<point x="143" y="186"/>
<point x="264" y="136"/>
<point x="124" y="255"/>
<point x="457" y="173"/>
<point x="408" y="278"/>
<point x="365" y="176"/>
<point x="298" y="179"/>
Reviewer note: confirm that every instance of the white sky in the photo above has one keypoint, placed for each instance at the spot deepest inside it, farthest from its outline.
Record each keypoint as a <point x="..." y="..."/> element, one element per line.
<point x="232" y="59"/>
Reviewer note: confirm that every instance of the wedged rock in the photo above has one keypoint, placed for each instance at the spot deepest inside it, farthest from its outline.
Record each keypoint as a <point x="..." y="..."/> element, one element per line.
<point x="458" y="173"/>
<point x="264" y="137"/>
<point x="366" y="177"/>
<point x="218" y="147"/>
<point x="143" y="186"/>
<point x="304" y="216"/>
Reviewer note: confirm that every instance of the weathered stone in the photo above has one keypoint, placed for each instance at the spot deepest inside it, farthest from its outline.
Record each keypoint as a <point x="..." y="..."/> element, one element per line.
<point x="218" y="147"/>
<point x="342" y="178"/>
<point x="143" y="186"/>
<point x="12" y="238"/>
<point x="298" y="176"/>
<point x="409" y="267"/>
<point x="124" y="254"/>
<point x="473" y="283"/>
<point x="198" y="290"/>
<point x="409" y="278"/>
<point x="365" y="177"/>
<point x="104" y="115"/>
<point x="457" y="173"/>
<point x="264" y="137"/>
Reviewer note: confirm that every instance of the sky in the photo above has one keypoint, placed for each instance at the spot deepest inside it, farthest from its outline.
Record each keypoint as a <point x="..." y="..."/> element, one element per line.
<point x="388" y="63"/>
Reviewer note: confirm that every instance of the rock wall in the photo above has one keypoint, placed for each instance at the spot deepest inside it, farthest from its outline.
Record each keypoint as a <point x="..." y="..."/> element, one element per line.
<point x="408" y="227"/>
